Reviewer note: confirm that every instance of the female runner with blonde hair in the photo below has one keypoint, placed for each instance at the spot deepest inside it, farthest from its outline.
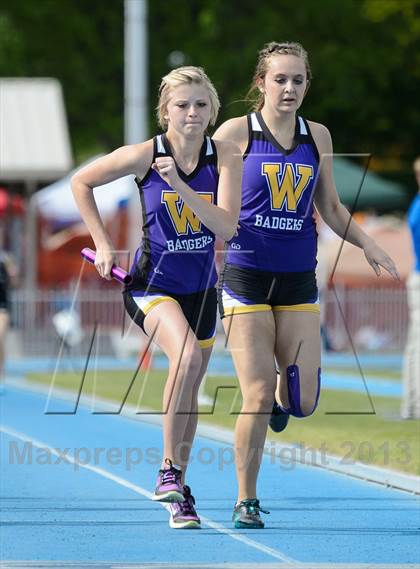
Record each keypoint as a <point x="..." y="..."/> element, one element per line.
<point x="190" y="192"/>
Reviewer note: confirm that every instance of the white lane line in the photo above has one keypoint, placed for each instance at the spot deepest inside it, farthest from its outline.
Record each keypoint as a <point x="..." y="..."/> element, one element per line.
<point x="139" y="490"/>
<point x="331" y="463"/>
<point x="170" y="565"/>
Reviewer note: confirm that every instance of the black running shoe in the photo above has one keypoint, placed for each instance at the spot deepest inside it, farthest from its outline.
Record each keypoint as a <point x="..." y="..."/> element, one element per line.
<point x="278" y="419"/>
<point x="246" y="515"/>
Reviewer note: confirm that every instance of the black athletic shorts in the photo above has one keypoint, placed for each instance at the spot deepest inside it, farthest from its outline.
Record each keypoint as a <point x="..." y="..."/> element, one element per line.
<point x="243" y="290"/>
<point x="199" y="309"/>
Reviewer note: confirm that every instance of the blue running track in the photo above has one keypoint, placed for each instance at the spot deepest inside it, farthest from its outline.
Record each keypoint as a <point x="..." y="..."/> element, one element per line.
<point x="56" y="512"/>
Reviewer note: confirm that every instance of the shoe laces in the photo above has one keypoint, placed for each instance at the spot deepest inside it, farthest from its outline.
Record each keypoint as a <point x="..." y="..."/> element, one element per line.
<point x="169" y="475"/>
<point x="253" y="507"/>
<point x="187" y="506"/>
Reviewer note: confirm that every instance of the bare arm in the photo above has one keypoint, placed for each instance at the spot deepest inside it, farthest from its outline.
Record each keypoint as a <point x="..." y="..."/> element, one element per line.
<point x="335" y="214"/>
<point x="222" y="218"/>
<point x="122" y="162"/>
<point x="235" y="130"/>
<point x="229" y="191"/>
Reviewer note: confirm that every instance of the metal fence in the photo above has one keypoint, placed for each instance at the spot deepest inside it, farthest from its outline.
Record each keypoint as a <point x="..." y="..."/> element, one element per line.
<point x="33" y="313"/>
<point x="35" y="309"/>
<point x="370" y="319"/>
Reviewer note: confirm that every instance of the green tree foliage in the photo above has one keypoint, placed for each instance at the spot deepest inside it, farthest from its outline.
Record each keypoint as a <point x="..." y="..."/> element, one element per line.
<point x="81" y="43"/>
<point x="364" y="54"/>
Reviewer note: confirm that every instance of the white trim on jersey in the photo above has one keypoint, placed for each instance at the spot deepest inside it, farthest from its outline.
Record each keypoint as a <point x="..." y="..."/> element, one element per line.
<point x="209" y="150"/>
<point x="160" y="146"/>
<point x="255" y="124"/>
<point x="303" y="129"/>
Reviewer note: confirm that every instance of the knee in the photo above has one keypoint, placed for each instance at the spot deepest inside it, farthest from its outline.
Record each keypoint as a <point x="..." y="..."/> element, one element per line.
<point x="189" y="361"/>
<point x="259" y="399"/>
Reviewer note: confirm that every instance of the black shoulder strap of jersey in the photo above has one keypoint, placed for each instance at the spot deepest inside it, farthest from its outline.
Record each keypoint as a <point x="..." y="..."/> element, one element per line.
<point x="157" y="151"/>
<point x="305" y="135"/>
<point x="212" y="155"/>
<point x="254" y="131"/>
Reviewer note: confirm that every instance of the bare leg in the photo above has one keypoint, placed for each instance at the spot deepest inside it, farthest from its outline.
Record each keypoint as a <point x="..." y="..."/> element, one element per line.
<point x="251" y="339"/>
<point x="191" y="427"/>
<point x="298" y="341"/>
<point x="186" y="368"/>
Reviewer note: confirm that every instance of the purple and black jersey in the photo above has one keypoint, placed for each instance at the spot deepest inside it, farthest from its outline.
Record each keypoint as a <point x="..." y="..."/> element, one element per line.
<point x="177" y="250"/>
<point x="277" y="228"/>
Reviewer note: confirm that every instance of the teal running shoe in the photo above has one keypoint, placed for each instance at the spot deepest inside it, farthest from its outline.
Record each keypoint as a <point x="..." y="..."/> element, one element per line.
<point x="246" y="515"/>
<point x="278" y="418"/>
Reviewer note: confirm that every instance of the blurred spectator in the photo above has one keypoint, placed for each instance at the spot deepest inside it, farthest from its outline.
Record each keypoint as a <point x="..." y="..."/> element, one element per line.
<point x="410" y="406"/>
<point x="8" y="278"/>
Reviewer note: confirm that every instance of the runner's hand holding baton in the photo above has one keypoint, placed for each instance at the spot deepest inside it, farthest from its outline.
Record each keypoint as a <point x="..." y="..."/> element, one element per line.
<point x="117" y="273"/>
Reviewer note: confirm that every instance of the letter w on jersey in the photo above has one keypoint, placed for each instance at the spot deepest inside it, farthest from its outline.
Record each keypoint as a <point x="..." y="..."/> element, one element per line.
<point x="288" y="184"/>
<point x="182" y="217"/>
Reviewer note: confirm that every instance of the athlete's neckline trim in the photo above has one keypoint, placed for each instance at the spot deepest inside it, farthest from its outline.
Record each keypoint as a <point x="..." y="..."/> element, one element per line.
<point x="205" y="150"/>
<point x="270" y="137"/>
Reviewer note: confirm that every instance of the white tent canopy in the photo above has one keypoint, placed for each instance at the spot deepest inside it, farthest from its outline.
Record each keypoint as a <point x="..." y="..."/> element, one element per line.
<point x="56" y="202"/>
<point x="34" y="137"/>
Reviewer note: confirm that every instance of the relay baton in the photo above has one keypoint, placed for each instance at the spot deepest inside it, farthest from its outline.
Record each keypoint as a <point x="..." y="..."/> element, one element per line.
<point x="117" y="273"/>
